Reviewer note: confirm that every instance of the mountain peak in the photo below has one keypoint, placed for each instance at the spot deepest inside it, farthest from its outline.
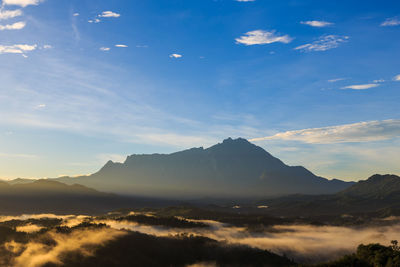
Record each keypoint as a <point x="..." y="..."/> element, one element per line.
<point x="229" y="140"/>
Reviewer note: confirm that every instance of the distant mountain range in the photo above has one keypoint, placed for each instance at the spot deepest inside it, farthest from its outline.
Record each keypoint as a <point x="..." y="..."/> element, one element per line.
<point x="233" y="168"/>
<point x="379" y="194"/>
<point x="25" y="196"/>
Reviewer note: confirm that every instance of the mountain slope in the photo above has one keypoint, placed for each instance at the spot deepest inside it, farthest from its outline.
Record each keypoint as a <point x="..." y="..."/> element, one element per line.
<point x="378" y="194"/>
<point x="231" y="168"/>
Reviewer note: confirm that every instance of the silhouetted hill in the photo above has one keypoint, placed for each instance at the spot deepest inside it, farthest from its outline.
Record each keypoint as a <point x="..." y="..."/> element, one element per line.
<point x="49" y="196"/>
<point x="47" y="187"/>
<point x="377" y="186"/>
<point x="379" y="194"/>
<point x="231" y="168"/>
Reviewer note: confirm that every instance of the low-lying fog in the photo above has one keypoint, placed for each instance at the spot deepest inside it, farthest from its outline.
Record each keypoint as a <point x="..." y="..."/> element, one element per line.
<point x="303" y="243"/>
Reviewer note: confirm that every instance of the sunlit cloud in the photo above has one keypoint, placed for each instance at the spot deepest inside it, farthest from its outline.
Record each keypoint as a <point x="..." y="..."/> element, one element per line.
<point x="75" y="14"/>
<point x="109" y="14"/>
<point x="395" y="21"/>
<point x="323" y="43"/>
<point x="16" y="49"/>
<point x="260" y="37"/>
<point x="121" y="45"/>
<point x="15" y="26"/>
<point x="361" y="86"/>
<point x="356" y="132"/>
<point x="175" y="56"/>
<point x="397" y="78"/>
<point x="22" y="3"/>
<point x="104" y="48"/>
<point x="317" y="23"/>
<point x="8" y="14"/>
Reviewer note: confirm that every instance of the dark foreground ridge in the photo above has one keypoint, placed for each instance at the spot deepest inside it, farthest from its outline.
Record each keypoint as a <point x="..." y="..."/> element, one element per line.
<point x="233" y="168"/>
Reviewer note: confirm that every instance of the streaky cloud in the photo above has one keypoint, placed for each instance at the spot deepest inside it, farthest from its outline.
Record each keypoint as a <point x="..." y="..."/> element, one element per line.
<point x="356" y="132"/>
<point x="361" y="86"/>
<point x="324" y="43"/>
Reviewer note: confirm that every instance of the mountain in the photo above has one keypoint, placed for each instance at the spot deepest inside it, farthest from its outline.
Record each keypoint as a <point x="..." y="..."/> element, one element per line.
<point x="46" y="187"/>
<point x="49" y="196"/>
<point x="377" y="186"/>
<point x="379" y="194"/>
<point x="233" y="168"/>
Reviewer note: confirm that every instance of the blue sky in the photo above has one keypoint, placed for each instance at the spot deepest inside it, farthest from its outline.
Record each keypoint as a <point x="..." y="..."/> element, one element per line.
<point x="313" y="82"/>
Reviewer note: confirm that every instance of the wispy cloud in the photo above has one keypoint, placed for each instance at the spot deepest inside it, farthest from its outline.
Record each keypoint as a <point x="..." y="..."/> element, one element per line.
<point x="16" y="49"/>
<point x="75" y="14"/>
<point x="260" y="37"/>
<point x="395" y="21"/>
<point x="356" y="132"/>
<point x="317" y="23"/>
<point x="15" y="26"/>
<point x="245" y="0"/>
<point x="121" y="45"/>
<point x="397" y="78"/>
<point x="336" y="80"/>
<point x="323" y="43"/>
<point x="361" y="86"/>
<point x="104" y="48"/>
<point x="175" y="56"/>
<point x="13" y="155"/>
<point x="22" y="3"/>
<point x="9" y="14"/>
<point x="109" y="14"/>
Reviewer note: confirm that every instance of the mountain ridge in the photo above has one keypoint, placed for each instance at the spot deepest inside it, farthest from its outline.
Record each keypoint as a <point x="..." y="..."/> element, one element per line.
<point x="232" y="168"/>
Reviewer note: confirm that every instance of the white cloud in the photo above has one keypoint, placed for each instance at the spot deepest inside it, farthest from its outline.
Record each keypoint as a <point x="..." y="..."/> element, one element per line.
<point x="317" y="23"/>
<point x="94" y="21"/>
<point x="361" y="86"/>
<point x="391" y="22"/>
<point x="8" y="14"/>
<point x="175" y="56"/>
<point x="15" y="26"/>
<point x="75" y="14"/>
<point x="47" y="46"/>
<point x="323" y="43"/>
<point x="16" y="49"/>
<point x="121" y="45"/>
<point x="336" y="80"/>
<point x="245" y="0"/>
<point x="378" y="81"/>
<point x="109" y="14"/>
<point x="397" y="78"/>
<point x="356" y="132"/>
<point x="22" y="3"/>
<point x="259" y="37"/>
<point x="104" y="48"/>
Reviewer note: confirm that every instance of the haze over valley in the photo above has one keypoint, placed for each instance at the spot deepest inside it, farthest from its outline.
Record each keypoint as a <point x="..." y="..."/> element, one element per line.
<point x="201" y="133"/>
